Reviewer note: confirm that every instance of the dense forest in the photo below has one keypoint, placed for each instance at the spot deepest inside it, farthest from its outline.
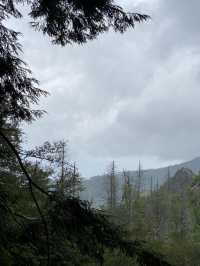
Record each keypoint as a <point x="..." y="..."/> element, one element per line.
<point x="166" y="217"/>
<point x="43" y="220"/>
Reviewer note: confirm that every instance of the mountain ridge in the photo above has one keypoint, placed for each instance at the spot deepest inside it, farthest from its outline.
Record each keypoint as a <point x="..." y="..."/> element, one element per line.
<point x="95" y="187"/>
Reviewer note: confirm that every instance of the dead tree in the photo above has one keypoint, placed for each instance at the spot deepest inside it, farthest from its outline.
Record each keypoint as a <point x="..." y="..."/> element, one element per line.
<point x="112" y="187"/>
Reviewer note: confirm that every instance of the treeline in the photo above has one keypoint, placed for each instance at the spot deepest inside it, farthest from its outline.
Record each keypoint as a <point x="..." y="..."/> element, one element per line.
<point x="166" y="216"/>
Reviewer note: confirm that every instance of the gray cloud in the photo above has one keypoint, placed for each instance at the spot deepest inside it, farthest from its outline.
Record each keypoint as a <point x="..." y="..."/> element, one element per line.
<point x="125" y="96"/>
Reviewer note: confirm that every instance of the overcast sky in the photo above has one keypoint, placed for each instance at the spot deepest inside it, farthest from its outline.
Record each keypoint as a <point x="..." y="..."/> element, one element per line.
<point x="123" y="97"/>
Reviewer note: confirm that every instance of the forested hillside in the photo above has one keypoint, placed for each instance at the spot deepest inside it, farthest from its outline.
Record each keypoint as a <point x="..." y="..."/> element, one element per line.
<point x="95" y="187"/>
<point x="167" y="218"/>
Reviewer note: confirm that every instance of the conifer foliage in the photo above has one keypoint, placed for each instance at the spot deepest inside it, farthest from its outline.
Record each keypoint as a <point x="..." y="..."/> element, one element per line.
<point x="18" y="89"/>
<point x="77" y="21"/>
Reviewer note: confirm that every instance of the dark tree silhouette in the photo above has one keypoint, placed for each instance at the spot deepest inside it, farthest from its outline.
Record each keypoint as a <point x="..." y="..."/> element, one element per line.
<point x="77" y="21"/>
<point x="65" y="22"/>
<point x="18" y="89"/>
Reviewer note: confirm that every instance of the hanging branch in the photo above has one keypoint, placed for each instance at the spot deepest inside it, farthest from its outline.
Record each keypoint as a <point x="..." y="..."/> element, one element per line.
<point x="31" y="185"/>
<point x="22" y="165"/>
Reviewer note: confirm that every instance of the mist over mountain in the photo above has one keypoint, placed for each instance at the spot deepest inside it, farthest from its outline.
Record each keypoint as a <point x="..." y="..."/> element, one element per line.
<point x="95" y="187"/>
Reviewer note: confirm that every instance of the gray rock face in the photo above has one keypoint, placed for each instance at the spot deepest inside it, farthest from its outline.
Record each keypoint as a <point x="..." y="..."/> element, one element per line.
<point x="181" y="181"/>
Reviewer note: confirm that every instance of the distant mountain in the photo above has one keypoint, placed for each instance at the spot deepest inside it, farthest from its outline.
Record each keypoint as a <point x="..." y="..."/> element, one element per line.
<point x="95" y="187"/>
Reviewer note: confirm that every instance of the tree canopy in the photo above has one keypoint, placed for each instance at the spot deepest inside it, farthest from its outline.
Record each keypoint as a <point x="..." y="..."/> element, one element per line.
<point x="72" y="21"/>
